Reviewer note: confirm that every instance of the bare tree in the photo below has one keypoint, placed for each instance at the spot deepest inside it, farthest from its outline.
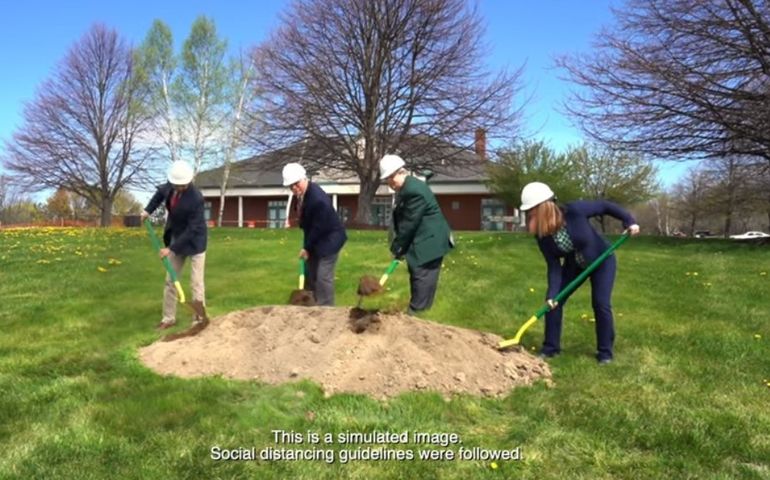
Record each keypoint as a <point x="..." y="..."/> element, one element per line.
<point x="758" y="184"/>
<point x="661" y="206"/>
<point x="239" y="95"/>
<point x="730" y="191"/>
<point x="199" y="92"/>
<point x="691" y="198"/>
<point x="80" y="133"/>
<point x="678" y="79"/>
<point x="156" y="68"/>
<point x="363" y="78"/>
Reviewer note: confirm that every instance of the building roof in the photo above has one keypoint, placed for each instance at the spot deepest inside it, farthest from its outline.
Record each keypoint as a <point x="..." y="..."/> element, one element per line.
<point x="265" y="170"/>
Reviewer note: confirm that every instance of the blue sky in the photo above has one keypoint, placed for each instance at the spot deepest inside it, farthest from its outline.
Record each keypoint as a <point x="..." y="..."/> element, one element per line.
<point x="35" y="35"/>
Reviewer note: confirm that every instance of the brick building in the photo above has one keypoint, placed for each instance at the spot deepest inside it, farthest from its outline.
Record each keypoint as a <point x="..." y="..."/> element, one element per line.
<point x="255" y="196"/>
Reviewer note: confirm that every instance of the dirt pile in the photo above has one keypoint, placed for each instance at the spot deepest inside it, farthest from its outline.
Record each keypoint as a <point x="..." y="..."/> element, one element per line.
<point x="390" y="354"/>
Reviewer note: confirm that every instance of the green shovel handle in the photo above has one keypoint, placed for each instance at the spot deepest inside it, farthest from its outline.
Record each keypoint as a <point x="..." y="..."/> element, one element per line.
<point x="390" y="270"/>
<point x="571" y="286"/>
<point x="166" y="263"/>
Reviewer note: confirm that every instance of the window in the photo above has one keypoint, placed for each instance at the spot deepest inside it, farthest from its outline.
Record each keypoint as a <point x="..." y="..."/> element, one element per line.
<point x="492" y="212"/>
<point x="381" y="211"/>
<point x="344" y="214"/>
<point x="276" y="213"/>
<point x="456" y="205"/>
<point x="207" y="211"/>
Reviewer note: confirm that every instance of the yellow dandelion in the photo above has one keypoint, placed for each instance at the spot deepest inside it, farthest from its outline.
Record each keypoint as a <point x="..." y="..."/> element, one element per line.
<point x="114" y="261"/>
<point x="764" y="274"/>
<point x="592" y="320"/>
<point x="695" y="274"/>
<point x="687" y="273"/>
<point x="757" y="336"/>
<point x="101" y="269"/>
<point x="493" y="465"/>
<point x="584" y="316"/>
<point x="531" y="290"/>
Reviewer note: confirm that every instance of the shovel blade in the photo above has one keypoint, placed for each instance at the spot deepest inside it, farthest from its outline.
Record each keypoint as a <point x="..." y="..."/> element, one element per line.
<point x="200" y="310"/>
<point x="302" y="298"/>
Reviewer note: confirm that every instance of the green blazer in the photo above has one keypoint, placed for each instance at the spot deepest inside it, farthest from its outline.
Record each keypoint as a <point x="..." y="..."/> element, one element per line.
<point x="422" y="232"/>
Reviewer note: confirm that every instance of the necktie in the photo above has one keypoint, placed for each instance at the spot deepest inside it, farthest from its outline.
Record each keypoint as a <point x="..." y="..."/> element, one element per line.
<point x="174" y="200"/>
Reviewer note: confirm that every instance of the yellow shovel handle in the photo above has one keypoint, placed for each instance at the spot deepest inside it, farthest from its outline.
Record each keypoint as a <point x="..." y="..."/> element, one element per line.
<point x="179" y="291"/>
<point x="515" y="340"/>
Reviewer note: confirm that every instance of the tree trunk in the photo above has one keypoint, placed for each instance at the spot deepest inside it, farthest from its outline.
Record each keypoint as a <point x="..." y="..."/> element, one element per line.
<point x="222" y="189"/>
<point x="728" y="223"/>
<point x="106" y="212"/>
<point x="365" y="197"/>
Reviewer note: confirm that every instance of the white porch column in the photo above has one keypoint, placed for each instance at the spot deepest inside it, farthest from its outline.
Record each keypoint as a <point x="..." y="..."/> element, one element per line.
<point x="240" y="211"/>
<point x="334" y="201"/>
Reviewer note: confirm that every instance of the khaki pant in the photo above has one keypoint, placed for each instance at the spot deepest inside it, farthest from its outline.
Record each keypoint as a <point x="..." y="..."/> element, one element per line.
<point x="198" y="263"/>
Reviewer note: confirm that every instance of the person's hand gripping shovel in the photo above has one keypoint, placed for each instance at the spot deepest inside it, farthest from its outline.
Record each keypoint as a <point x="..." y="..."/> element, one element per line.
<point x="196" y="306"/>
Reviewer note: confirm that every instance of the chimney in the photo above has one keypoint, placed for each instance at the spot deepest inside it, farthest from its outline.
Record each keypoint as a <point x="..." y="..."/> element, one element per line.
<point x="481" y="144"/>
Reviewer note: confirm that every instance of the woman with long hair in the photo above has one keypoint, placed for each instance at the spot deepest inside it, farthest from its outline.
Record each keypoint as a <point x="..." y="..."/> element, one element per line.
<point x="569" y="244"/>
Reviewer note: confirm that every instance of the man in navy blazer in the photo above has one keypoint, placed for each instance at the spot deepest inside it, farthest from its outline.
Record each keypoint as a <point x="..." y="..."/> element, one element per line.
<point x="185" y="235"/>
<point x="565" y="233"/>
<point x="324" y="232"/>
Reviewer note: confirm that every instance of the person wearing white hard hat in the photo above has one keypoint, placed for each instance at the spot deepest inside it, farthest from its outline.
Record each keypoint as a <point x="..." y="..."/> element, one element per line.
<point x="422" y="234"/>
<point x="185" y="235"/>
<point x="569" y="244"/>
<point x="324" y="234"/>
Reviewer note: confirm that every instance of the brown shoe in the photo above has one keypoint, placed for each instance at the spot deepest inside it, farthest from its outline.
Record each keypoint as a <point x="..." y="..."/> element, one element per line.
<point x="165" y="325"/>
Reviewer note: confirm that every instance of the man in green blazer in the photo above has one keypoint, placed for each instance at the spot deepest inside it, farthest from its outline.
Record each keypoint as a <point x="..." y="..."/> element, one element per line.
<point x="421" y="231"/>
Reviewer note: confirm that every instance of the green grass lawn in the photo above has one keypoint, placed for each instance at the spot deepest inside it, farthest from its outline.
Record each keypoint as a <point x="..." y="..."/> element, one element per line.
<point x="688" y="395"/>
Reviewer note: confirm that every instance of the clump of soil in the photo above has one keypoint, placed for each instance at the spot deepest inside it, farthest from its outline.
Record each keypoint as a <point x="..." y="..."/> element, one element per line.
<point x="361" y="320"/>
<point x="303" y="298"/>
<point x="368" y="285"/>
<point x="374" y="353"/>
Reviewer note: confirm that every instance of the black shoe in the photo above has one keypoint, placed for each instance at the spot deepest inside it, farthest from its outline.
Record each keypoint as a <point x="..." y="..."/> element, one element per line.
<point x="546" y="355"/>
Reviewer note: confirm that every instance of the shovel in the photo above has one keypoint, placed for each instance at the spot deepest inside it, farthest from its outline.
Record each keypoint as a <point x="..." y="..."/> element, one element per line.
<point x="301" y="296"/>
<point x="368" y="285"/>
<point x="564" y="293"/>
<point x="196" y="306"/>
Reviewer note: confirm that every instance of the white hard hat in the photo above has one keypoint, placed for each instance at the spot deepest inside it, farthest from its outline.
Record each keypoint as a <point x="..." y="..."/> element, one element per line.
<point x="534" y="194"/>
<point x="180" y="173"/>
<point x="390" y="165"/>
<point x="293" y="173"/>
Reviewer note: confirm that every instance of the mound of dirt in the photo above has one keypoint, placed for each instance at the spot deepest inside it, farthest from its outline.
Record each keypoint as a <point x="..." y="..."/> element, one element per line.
<point x="377" y="354"/>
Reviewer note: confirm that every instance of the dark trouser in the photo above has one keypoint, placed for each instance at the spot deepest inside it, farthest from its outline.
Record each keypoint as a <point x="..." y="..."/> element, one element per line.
<point x="423" y="282"/>
<point x="320" y="273"/>
<point x="602" y="280"/>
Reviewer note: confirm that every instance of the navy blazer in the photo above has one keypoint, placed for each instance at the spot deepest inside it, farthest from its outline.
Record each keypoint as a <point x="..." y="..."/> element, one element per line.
<point x="185" y="233"/>
<point x="324" y="232"/>
<point x="584" y="236"/>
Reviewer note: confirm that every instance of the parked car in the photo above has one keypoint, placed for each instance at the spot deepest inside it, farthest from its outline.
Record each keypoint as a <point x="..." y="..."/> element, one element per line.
<point x="702" y="234"/>
<point x="750" y="236"/>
